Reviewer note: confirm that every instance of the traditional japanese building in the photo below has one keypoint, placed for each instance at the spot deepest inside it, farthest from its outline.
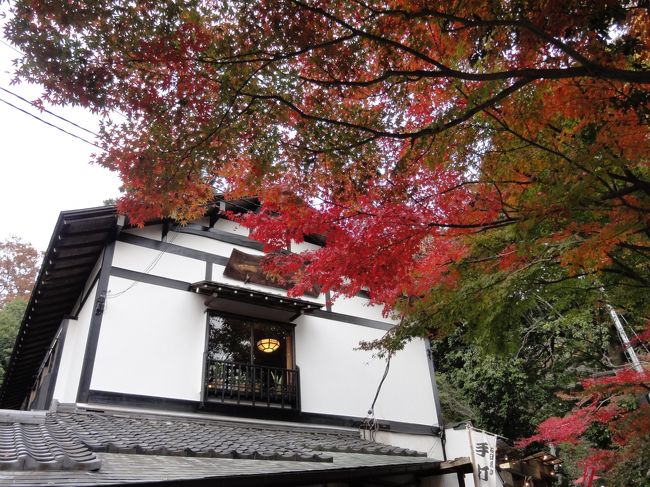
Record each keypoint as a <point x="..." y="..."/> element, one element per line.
<point x="140" y="345"/>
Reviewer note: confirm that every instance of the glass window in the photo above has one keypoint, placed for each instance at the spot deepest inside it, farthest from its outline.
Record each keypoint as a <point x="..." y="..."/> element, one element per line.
<point x="250" y="341"/>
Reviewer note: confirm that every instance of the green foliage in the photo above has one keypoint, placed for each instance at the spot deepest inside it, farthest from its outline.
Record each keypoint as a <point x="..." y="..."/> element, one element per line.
<point x="510" y="385"/>
<point x="634" y="470"/>
<point x="10" y="317"/>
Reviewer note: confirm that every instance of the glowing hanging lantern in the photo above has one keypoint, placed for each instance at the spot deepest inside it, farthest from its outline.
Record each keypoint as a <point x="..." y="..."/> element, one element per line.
<point x="268" y="345"/>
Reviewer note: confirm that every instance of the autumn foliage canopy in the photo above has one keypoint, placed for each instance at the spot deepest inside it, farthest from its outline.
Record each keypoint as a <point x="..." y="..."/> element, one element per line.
<point x="397" y="129"/>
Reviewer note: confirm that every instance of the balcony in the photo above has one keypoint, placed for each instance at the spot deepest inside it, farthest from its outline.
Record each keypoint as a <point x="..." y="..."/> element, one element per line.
<point x="252" y="385"/>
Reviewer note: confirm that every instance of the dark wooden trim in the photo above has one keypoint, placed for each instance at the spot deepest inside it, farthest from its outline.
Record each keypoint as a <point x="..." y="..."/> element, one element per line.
<point x="150" y="279"/>
<point x="206" y="344"/>
<point x="434" y="387"/>
<point x="355" y="320"/>
<point x="185" y="286"/>
<point x="226" y="314"/>
<point x="85" y="298"/>
<point x="165" y="230"/>
<point x="222" y="236"/>
<point x="208" y="271"/>
<point x="170" y="248"/>
<point x="60" y="343"/>
<point x="140" y="401"/>
<point x="108" y="398"/>
<point x="95" y="324"/>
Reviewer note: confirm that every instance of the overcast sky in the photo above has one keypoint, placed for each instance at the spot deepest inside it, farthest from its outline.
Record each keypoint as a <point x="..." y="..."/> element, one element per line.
<point x="42" y="170"/>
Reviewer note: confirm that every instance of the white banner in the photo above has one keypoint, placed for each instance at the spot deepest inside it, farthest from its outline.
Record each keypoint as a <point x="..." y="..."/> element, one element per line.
<point x="484" y="456"/>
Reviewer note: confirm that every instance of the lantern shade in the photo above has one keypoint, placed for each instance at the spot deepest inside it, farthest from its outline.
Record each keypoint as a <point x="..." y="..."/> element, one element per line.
<point x="268" y="345"/>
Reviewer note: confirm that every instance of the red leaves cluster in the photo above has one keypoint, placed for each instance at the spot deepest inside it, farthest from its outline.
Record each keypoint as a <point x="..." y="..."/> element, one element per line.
<point x="619" y="402"/>
<point x="395" y="240"/>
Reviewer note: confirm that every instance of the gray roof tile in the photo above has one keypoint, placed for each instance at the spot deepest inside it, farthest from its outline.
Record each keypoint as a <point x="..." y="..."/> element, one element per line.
<point x="119" y="433"/>
<point x="68" y="440"/>
<point x="43" y="447"/>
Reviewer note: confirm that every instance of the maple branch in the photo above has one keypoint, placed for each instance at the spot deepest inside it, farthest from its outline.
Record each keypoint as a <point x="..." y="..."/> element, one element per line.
<point x="228" y="110"/>
<point x="630" y="177"/>
<point x="527" y="73"/>
<point x="613" y="73"/>
<point x="244" y="58"/>
<point x="550" y="150"/>
<point x="426" y="132"/>
<point x="482" y="226"/>
<point x="588" y="69"/>
<point x="374" y="37"/>
<point x="626" y="271"/>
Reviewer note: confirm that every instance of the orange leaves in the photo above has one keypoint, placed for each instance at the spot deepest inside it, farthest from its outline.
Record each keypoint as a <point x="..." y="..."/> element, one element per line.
<point x="19" y="264"/>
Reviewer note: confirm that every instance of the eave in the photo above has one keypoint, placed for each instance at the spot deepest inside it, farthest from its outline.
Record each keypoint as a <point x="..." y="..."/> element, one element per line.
<point x="225" y="297"/>
<point x="77" y="243"/>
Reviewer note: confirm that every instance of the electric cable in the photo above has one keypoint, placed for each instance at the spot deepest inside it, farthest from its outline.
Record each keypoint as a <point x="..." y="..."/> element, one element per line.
<point x="48" y="112"/>
<point x="50" y="124"/>
<point x="370" y="423"/>
<point x="149" y="268"/>
<point x="11" y="47"/>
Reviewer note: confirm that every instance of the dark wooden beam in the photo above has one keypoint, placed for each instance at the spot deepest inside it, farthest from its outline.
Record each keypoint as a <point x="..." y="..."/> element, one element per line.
<point x="88" y="224"/>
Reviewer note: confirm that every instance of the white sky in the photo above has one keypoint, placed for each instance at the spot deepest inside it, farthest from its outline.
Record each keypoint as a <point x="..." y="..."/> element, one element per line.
<point x="42" y="170"/>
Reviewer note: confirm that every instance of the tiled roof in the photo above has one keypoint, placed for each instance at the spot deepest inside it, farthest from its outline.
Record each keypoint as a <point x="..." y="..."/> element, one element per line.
<point x="120" y="469"/>
<point x="115" y="433"/>
<point x="43" y="447"/>
<point x="78" y="240"/>
<point x="67" y="440"/>
<point x="85" y="447"/>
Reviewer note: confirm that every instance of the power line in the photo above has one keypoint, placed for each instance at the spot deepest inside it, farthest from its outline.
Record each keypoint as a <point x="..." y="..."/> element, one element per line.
<point x="10" y="47"/>
<point x="50" y="124"/>
<point x="149" y="268"/>
<point x="47" y="111"/>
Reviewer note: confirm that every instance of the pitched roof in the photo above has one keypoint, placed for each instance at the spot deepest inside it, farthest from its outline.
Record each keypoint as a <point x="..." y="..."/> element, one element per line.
<point x="78" y="240"/>
<point x="77" y="447"/>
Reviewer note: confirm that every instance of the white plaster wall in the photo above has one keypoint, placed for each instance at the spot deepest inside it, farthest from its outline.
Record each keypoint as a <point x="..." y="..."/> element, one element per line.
<point x="357" y="306"/>
<point x="449" y="480"/>
<point x="337" y="379"/>
<point x="74" y="349"/>
<point x="153" y="232"/>
<point x="298" y="247"/>
<point x="232" y="227"/>
<point x="157" y="263"/>
<point x="192" y="270"/>
<point x="457" y="445"/>
<point x="151" y="342"/>
<point x="208" y="245"/>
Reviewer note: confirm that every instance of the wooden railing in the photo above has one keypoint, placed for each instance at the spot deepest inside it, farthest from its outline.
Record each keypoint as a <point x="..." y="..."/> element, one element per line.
<point x="256" y="385"/>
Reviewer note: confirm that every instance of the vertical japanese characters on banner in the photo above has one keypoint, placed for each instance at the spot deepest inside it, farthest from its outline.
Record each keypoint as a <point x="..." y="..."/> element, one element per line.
<point x="484" y="452"/>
